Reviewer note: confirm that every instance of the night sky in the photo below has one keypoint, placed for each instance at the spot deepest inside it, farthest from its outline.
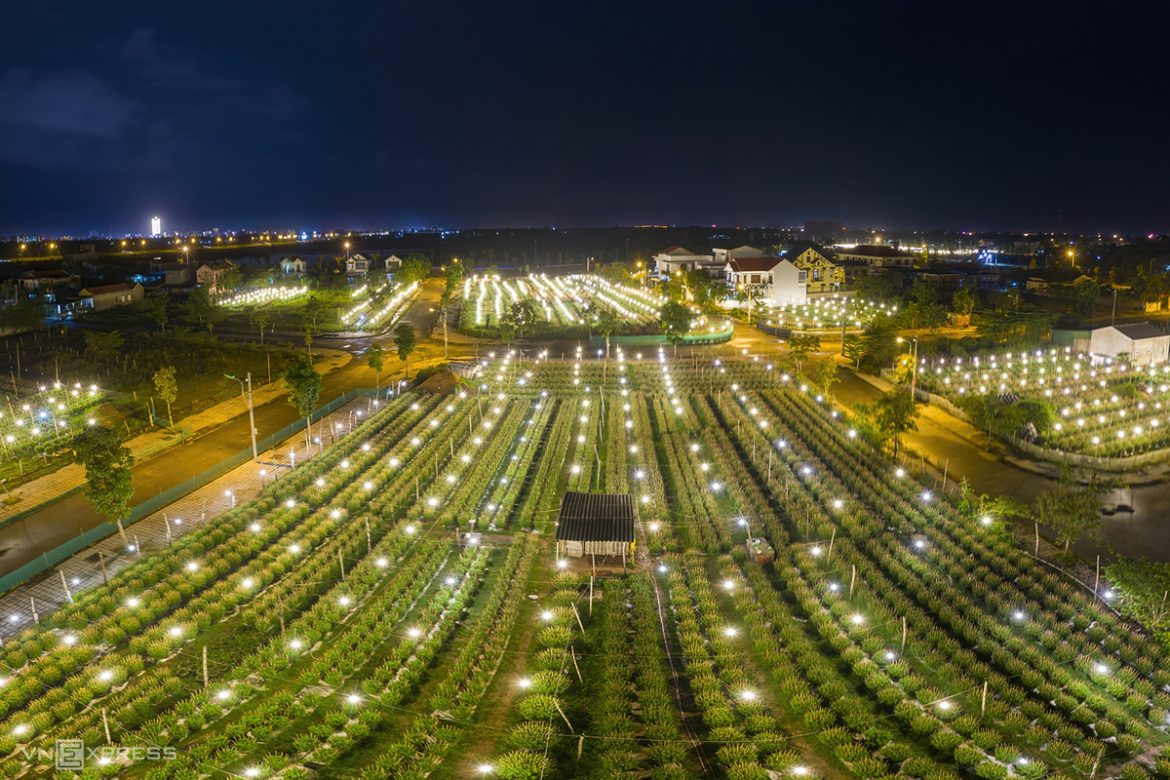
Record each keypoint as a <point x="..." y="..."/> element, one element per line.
<point x="344" y="115"/>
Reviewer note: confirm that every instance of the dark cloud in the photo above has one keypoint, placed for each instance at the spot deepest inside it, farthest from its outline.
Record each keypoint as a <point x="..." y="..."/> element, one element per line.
<point x="66" y="102"/>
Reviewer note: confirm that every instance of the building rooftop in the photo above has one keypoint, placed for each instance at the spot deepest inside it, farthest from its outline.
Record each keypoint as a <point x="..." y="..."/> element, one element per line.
<point x="754" y="264"/>
<point x="1138" y="330"/>
<point x="596" y="517"/>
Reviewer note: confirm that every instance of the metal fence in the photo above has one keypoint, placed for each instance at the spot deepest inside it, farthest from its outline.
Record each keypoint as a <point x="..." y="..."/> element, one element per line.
<point x="54" y="556"/>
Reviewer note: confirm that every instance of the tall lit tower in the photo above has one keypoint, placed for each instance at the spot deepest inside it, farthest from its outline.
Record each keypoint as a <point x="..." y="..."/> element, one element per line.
<point x="156" y="226"/>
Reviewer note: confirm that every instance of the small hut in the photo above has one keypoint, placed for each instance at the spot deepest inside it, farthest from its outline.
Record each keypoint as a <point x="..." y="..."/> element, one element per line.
<point x="595" y="524"/>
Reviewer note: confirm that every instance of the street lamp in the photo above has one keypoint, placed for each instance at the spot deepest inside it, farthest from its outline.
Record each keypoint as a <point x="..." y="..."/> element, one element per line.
<point x="251" y="415"/>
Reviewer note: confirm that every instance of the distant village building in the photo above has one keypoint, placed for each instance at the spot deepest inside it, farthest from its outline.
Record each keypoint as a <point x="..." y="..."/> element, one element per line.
<point x="45" y="280"/>
<point x="822" y="274"/>
<point x="1142" y="342"/>
<point x="595" y="524"/>
<point x="109" y="296"/>
<point x="677" y="259"/>
<point x="293" y="266"/>
<point x="357" y="264"/>
<point x="877" y="256"/>
<point x="773" y="280"/>
<point x="210" y="275"/>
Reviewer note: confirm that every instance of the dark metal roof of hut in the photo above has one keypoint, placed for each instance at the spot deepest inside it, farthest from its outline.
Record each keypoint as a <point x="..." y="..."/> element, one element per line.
<point x="596" y="517"/>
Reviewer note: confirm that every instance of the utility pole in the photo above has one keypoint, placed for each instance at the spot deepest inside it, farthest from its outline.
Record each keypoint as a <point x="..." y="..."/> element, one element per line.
<point x="247" y="381"/>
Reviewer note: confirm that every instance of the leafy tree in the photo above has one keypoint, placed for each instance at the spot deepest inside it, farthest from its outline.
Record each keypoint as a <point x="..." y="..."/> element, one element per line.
<point x="963" y="301"/>
<point x="879" y="345"/>
<point x="518" y="317"/>
<point x="404" y="340"/>
<point x="1070" y="510"/>
<point x="166" y="387"/>
<point x="1085" y="294"/>
<point x="103" y="347"/>
<point x="24" y="315"/>
<point x="107" y="471"/>
<point x="452" y="275"/>
<point x="854" y="349"/>
<point x="303" y="384"/>
<point x="891" y="415"/>
<point x="821" y="373"/>
<point x="607" y="323"/>
<point x="262" y="318"/>
<point x="414" y="268"/>
<point x="200" y="308"/>
<point x="311" y="311"/>
<point x="801" y="346"/>
<point x="676" y="322"/>
<point x="231" y="278"/>
<point x="376" y="359"/>
<point x="156" y="308"/>
<point x="875" y="287"/>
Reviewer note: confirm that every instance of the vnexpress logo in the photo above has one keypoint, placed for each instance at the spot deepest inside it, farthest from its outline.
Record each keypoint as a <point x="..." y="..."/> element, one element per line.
<point x="70" y="754"/>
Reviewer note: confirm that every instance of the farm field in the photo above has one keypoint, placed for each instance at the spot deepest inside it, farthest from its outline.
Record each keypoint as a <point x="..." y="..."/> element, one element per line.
<point x="395" y="608"/>
<point x="826" y="314"/>
<point x="563" y="305"/>
<point x="1109" y="408"/>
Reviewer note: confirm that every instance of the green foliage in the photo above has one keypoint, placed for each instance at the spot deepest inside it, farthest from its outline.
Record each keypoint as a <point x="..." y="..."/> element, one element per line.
<point x="156" y="307"/>
<point x="676" y="321"/>
<point x="103" y="347"/>
<point x="964" y="300"/>
<point x="166" y="387"/>
<point x="1070" y="510"/>
<point x="303" y="384"/>
<point x="1144" y="588"/>
<point x="404" y="342"/>
<point x="801" y="346"/>
<point x="524" y="765"/>
<point x="1085" y="294"/>
<point x="376" y="359"/>
<point x="107" y="471"/>
<point x="891" y="415"/>
<point x="414" y="268"/>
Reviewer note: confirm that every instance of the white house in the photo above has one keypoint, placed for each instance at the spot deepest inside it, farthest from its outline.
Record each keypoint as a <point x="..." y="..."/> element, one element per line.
<point x="293" y="266"/>
<point x="109" y="296"/>
<point x="1142" y="342"/>
<point x="677" y="258"/>
<point x="357" y="264"/>
<point x="773" y="280"/>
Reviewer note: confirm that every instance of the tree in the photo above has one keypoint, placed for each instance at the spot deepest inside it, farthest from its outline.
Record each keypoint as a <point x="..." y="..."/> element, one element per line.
<point x="676" y="322"/>
<point x="23" y="315"/>
<point x="1070" y="510"/>
<point x="103" y="347"/>
<point x="854" y="349"/>
<point x="963" y="301"/>
<point x="156" y="308"/>
<point x="607" y="324"/>
<point x="262" y="318"/>
<point x="822" y="373"/>
<point x="452" y="276"/>
<point x="200" y="308"/>
<point x="414" y="268"/>
<point x="879" y="345"/>
<point x="891" y="415"/>
<point x="303" y="384"/>
<point x="800" y="347"/>
<point x="231" y="278"/>
<point x="404" y="340"/>
<point x="166" y="387"/>
<point x="107" y="471"/>
<point x="375" y="359"/>
<point x="518" y="318"/>
<point x="1084" y="298"/>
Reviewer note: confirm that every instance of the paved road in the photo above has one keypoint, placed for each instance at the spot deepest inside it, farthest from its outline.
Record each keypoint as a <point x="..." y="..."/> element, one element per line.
<point x="56" y="523"/>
